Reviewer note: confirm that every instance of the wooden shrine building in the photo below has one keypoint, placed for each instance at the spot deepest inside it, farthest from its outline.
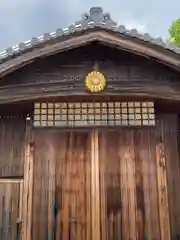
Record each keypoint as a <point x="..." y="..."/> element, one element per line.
<point x="89" y="135"/>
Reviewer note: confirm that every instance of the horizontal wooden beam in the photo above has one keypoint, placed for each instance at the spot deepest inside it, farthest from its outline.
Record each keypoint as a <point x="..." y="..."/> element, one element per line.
<point x="157" y="90"/>
<point x="10" y="180"/>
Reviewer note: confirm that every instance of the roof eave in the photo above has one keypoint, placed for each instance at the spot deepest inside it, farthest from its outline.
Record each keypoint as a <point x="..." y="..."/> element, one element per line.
<point x="105" y="36"/>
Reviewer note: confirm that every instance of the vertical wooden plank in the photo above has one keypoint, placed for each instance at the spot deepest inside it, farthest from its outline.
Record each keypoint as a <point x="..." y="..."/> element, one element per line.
<point x="103" y="191"/>
<point x="37" y="188"/>
<point x="65" y="234"/>
<point x="30" y="193"/>
<point x="27" y="199"/>
<point x="119" y="223"/>
<point x="124" y="185"/>
<point x="73" y="191"/>
<point x="168" y="134"/>
<point x="174" y="138"/>
<point x="20" y="212"/>
<point x="153" y="188"/>
<point x="164" y="137"/>
<point x="21" y="201"/>
<point x="162" y="192"/>
<point x="51" y="194"/>
<point x="62" y="148"/>
<point x="82" y="192"/>
<point x="88" y="189"/>
<point x="14" y="211"/>
<point x="169" y="131"/>
<point x="1" y="209"/>
<point x="130" y="166"/>
<point x="95" y="186"/>
<point x="7" y="200"/>
<point x="141" y="183"/>
<point x="28" y="183"/>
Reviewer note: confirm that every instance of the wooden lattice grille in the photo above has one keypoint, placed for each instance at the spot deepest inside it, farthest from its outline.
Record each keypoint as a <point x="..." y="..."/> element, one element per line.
<point x="80" y="114"/>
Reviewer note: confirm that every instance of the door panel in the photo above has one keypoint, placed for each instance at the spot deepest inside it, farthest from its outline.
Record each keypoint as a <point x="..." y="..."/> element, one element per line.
<point x="95" y="185"/>
<point x="10" y="202"/>
<point x="74" y="188"/>
<point x="62" y="186"/>
<point x="128" y="185"/>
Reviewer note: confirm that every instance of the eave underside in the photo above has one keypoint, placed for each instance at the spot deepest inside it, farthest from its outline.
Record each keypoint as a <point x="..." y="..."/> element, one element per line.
<point x="118" y="41"/>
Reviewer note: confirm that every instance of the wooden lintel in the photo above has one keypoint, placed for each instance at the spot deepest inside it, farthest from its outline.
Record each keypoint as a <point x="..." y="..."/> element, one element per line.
<point x="137" y="89"/>
<point x="13" y="180"/>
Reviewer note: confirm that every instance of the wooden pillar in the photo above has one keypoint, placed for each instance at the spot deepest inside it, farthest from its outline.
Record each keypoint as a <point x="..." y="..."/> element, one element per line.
<point x="162" y="192"/>
<point x="95" y="194"/>
<point x="28" y="183"/>
<point x="20" y="217"/>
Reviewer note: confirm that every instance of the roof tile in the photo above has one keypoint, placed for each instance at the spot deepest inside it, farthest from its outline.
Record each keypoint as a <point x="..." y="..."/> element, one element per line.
<point x="47" y="37"/>
<point x="34" y="41"/>
<point x="95" y="18"/>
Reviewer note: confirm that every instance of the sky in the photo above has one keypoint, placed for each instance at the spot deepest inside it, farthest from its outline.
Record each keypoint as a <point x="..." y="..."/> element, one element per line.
<point x="20" y="20"/>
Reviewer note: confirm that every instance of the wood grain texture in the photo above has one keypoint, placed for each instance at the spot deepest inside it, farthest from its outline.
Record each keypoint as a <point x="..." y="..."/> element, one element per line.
<point x="28" y="181"/>
<point x="12" y="136"/>
<point x="168" y="134"/>
<point x="27" y="193"/>
<point x="95" y="190"/>
<point x="63" y="74"/>
<point x="77" y="40"/>
<point x="9" y="210"/>
<point x="126" y="194"/>
<point x="61" y="190"/>
<point x="129" y="201"/>
<point x="162" y="192"/>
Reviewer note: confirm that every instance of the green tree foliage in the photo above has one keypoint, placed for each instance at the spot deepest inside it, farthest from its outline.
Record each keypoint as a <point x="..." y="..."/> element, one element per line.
<point x="174" y="32"/>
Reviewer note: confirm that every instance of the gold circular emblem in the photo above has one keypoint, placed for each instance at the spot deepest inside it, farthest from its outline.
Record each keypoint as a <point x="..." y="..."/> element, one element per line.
<point x="95" y="82"/>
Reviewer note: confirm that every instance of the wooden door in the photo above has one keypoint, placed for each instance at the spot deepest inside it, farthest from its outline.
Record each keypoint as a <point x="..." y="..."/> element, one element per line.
<point x="96" y="185"/>
<point x="11" y="208"/>
<point x="62" y="186"/>
<point x="128" y="185"/>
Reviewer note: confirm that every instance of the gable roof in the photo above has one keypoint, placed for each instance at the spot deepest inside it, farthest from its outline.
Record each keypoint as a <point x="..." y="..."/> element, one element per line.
<point x="95" y="25"/>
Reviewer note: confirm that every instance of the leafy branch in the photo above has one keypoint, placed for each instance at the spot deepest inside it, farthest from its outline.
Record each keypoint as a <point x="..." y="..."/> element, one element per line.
<point x="174" y="32"/>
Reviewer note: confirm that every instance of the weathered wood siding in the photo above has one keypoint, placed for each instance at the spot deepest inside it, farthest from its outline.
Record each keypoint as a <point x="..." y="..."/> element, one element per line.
<point x="61" y="193"/>
<point x="128" y="179"/>
<point x="10" y="209"/>
<point x="64" y="74"/>
<point x="168" y="131"/>
<point x="129" y="202"/>
<point x="12" y="132"/>
<point x="129" y="206"/>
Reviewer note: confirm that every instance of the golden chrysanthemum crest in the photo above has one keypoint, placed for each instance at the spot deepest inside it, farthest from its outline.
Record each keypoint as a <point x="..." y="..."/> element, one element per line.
<point x="95" y="82"/>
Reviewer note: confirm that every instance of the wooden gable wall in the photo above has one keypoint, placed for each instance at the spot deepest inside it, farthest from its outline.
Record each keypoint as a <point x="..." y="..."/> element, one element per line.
<point x="64" y="73"/>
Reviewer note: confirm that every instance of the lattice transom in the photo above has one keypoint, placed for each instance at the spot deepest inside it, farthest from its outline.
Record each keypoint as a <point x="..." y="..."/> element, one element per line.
<point x="80" y="114"/>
